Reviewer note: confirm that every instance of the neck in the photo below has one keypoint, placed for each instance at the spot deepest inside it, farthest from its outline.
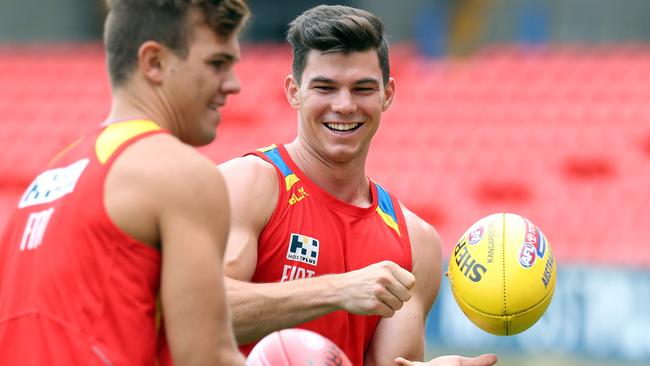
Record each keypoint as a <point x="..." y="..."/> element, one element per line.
<point x="346" y="181"/>
<point x="134" y="103"/>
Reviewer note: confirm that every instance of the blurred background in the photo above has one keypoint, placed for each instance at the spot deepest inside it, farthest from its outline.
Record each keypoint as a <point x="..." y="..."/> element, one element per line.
<point x="538" y="107"/>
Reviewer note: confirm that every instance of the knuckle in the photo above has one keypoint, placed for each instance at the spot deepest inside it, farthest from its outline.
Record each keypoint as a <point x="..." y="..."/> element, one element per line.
<point x="378" y="291"/>
<point x="383" y="280"/>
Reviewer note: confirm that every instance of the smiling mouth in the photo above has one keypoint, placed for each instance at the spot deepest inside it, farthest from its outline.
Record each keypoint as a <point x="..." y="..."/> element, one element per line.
<point x="342" y="127"/>
<point x="213" y="106"/>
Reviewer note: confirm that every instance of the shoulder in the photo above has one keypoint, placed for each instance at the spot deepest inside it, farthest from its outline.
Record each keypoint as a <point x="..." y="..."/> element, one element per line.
<point x="427" y="257"/>
<point x="421" y="232"/>
<point x="164" y="166"/>
<point x="249" y="169"/>
<point x="251" y="182"/>
<point x="159" y="180"/>
<point x="425" y="242"/>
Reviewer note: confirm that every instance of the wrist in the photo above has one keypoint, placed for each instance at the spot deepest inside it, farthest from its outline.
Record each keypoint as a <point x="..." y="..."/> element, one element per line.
<point x="333" y="290"/>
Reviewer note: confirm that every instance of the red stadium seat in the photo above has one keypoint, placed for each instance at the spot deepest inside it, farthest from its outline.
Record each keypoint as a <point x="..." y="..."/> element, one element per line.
<point x="560" y="135"/>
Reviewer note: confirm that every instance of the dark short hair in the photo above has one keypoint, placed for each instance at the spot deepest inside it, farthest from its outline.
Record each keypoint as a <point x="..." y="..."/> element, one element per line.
<point x="337" y="28"/>
<point x="130" y="23"/>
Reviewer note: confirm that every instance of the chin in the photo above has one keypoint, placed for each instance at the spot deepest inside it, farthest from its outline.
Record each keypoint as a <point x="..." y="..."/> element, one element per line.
<point x="342" y="154"/>
<point x="202" y="139"/>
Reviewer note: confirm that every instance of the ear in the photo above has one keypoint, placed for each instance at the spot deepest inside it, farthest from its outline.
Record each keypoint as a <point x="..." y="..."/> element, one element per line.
<point x="151" y="57"/>
<point x="389" y="93"/>
<point x="291" y="89"/>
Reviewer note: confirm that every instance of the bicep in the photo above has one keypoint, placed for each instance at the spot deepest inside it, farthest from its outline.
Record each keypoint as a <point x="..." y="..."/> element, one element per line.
<point x="194" y="223"/>
<point x="252" y="193"/>
<point x="194" y="219"/>
<point x="403" y="334"/>
<point x="400" y="335"/>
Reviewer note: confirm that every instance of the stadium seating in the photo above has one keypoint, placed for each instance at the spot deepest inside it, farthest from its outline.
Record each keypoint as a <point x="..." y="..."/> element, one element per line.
<point x="560" y="135"/>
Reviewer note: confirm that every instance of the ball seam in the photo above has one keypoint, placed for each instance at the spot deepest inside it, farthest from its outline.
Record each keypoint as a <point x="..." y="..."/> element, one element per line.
<point x="508" y="315"/>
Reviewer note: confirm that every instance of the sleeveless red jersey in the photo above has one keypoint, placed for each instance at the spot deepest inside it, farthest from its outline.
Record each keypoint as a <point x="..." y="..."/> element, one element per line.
<point x="312" y="233"/>
<point x="75" y="289"/>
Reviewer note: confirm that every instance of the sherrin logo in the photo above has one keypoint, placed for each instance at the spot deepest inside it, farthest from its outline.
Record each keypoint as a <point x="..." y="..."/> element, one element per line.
<point x="303" y="249"/>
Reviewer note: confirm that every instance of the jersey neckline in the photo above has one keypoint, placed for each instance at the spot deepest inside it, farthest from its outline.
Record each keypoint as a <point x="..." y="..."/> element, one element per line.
<point x="327" y="197"/>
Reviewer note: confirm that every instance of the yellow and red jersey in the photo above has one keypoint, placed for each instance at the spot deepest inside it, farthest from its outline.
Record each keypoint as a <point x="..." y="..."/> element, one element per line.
<point x="74" y="288"/>
<point x="312" y="233"/>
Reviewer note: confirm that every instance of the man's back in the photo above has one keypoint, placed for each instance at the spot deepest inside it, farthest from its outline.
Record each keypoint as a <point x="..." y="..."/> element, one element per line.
<point x="75" y="289"/>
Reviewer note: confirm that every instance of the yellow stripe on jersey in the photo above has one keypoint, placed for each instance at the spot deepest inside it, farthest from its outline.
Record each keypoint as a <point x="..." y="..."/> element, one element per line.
<point x="388" y="220"/>
<point x="265" y="149"/>
<point x="116" y="134"/>
<point x="385" y="208"/>
<point x="290" y="180"/>
<point x="272" y="152"/>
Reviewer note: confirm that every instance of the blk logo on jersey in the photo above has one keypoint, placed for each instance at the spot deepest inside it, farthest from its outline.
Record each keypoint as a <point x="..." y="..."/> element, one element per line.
<point x="303" y="249"/>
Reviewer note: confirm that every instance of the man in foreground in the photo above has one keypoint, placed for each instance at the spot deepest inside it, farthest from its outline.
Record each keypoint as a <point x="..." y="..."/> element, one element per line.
<point x="129" y="212"/>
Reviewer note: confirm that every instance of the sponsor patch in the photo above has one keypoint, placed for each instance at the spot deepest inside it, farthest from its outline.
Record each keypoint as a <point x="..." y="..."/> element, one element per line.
<point x="53" y="184"/>
<point x="303" y="249"/>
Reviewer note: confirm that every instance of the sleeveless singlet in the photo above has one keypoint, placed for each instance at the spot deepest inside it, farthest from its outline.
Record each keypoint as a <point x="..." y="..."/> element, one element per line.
<point x="74" y="288"/>
<point x="312" y="233"/>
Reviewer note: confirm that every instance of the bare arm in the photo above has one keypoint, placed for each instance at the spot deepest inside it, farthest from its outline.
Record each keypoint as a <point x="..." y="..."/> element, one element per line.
<point x="176" y="197"/>
<point x="408" y="323"/>
<point x="386" y="349"/>
<point x="259" y="309"/>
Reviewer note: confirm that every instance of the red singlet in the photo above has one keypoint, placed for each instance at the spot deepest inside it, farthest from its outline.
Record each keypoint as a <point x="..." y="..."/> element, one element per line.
<point x="312" y="233"/>
<point x="75" y="289"/>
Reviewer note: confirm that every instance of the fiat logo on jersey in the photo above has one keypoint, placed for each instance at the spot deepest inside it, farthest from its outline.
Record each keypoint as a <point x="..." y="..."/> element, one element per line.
<point x="527" y="255"/>
<point x="475" y="235"/>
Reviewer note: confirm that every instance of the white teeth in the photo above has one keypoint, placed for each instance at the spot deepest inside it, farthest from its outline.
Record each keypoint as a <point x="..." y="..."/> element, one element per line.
<point x="213" y="106"/>
<point x="342" y="126"/>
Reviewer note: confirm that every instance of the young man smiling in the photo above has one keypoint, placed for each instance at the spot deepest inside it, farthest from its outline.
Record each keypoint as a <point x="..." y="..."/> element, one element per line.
<point x="315" y="243"/>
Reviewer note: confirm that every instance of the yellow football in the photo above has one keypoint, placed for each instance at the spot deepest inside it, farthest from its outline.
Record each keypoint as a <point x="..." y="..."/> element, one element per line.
<point x="502" y="273"/>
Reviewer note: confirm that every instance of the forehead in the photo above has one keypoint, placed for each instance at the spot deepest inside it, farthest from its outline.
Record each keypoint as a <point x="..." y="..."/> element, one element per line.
<point x="205" y="42"/>
<point x="342" y="66"/>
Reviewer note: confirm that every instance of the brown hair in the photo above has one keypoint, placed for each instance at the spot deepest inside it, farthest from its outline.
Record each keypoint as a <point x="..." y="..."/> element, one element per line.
<point x="337" y="28"/>
<point x="130" y="23"/>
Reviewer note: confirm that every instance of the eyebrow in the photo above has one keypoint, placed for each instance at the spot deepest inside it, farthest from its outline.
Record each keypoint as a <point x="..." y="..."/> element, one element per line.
<point x="322" y="79"/>
<point x="225" y="55"/>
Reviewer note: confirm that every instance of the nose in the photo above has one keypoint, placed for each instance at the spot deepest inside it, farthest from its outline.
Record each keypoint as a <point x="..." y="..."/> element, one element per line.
<point x="344" y="102"/>
<point x="231" y="84"/>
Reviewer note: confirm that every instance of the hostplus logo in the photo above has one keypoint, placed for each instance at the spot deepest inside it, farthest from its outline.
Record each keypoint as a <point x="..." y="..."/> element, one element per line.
<point x="303" y="249"/>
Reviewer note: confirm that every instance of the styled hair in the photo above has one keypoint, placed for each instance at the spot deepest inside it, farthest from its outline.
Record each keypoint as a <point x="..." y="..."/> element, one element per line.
<point x="337" y="28"/>
<point x="130" y="23"/>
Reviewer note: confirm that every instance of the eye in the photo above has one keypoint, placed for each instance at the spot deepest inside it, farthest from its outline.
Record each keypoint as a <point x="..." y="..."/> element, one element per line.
<point x="365" y="89"/>
<point x="218" y="64"/>
<point x="324" y="88"/>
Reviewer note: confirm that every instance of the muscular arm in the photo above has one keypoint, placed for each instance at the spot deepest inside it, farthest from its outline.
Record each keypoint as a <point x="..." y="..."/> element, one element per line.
<point x="408" y="322"/>
<point x="407" y="348"/>
<point x="259" y="309"/>
<point x="160" y="191"/>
